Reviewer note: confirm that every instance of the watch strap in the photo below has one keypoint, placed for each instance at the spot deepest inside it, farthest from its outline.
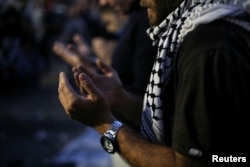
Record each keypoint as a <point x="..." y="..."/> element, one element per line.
<point x="113" y="130"/>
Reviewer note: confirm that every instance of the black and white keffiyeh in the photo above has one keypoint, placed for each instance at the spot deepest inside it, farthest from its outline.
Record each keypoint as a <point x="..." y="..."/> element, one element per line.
<point x="168" y="36"/>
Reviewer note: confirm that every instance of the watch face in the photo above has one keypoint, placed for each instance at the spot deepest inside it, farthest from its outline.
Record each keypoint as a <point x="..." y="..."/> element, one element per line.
<point x="107" y="144"/>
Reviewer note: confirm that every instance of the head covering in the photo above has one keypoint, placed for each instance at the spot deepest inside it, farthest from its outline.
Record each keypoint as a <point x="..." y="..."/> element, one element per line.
<point x="168" y="35"/>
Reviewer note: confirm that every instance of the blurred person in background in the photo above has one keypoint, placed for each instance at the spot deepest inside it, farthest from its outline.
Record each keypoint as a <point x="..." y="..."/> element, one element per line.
<point x="21" y="62"/>
<point x="133" y="46"/>
<point x="81" y="20"/>
<point x="34" y="10"/>
<point x="53" y="20"/>
<point x="75" y="23"/>
<point x="115" y="22"/>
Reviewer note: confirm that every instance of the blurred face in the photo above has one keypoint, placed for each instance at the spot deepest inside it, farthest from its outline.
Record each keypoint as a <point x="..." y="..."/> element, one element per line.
<point x="107" y="2"/>
<point x="119" y="5"/>
<point x="111" y="21"/>
<point x="158" y="10"/>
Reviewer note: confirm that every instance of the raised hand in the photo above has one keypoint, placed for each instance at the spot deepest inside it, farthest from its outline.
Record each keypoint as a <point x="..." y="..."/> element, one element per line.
<point x="70" y="57"/>
<point x="91" y="109"/>
<point x="108" y="82"/>
<point x="75" y="55"/>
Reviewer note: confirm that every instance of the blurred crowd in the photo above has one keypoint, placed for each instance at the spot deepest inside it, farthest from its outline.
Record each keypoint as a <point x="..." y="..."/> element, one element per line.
<point x="28" y="29"/>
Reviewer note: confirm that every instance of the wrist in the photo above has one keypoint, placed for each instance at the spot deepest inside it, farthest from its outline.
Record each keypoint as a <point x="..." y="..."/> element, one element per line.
<point x="102" y="128"/>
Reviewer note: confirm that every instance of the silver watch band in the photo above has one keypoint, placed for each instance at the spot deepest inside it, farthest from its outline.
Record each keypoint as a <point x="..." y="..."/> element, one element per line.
<point x="113" y="129"/>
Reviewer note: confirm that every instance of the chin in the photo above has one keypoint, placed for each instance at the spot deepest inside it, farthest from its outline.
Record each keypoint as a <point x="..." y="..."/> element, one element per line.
<point x="154" y="22"/>
<point x="155" y="19"/>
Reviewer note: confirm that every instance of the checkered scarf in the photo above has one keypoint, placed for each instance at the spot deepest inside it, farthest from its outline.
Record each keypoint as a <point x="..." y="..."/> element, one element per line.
<point x="168" y="37"/>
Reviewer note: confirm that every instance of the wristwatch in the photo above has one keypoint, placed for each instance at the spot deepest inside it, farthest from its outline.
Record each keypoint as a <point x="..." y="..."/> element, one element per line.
<point x="108" y="140"/>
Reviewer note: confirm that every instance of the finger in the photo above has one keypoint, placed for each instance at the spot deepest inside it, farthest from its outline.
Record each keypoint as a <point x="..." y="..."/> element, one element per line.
<point x="57" y="48"/>
<point x="64" y="86"/>
<point x="77" y="71"/>
<point x="89" y="86"/>
<point x="68" y="56"/>
<point x="105" y="69"/>
<point x="77" y="81"/>
<point x="83" y="69"/>
<point x="65" y="90"/>
<point x="76" y="78"/>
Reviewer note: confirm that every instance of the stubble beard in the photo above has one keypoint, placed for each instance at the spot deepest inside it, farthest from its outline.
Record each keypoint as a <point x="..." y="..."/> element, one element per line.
<point x="162" y="9"/>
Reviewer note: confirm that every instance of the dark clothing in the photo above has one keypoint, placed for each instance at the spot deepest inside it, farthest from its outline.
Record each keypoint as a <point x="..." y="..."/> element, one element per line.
<point x="134" y="55"/>
<point x="212" y="92"/>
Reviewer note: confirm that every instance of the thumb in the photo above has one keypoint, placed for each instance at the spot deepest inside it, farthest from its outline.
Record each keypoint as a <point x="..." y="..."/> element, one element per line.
<point x="64" y="86"/>
<point x="64" y="53"/>
<point x="66" y="93"/>
<point x="87" y="84"/>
